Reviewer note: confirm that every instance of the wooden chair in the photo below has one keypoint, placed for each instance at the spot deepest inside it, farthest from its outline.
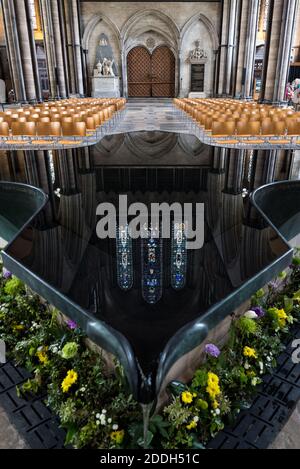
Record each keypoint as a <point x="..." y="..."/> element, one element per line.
<point x="4" y="129"/>
<point x="23" y="129"/>
<point x="51" y="129"/>
<point x="242" y="129"/>
<point x="223" y="129"/>
<point x="267" y="128"/>
<point x="279" y="128"/>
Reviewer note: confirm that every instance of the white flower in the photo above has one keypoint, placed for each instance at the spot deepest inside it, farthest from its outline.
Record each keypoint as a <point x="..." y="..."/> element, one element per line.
<point x="269" y="359"/>
<point x="98" y="416"/>
<point x="251" y="315"/>
<point x="104" y="411"/>
<point x="109" y="420"/>
<point x="196" y="419"/>
<point x="218" y="411"/>
<point x="103" y="420"/>
<point x="247" y="366"/>
<point x="115" y="427"/>
<point x="97" y="422"/>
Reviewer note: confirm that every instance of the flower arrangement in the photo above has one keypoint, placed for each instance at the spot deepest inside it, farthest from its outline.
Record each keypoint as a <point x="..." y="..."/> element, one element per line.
<point x="227" y="382"/>
<point x="94" y="405"/>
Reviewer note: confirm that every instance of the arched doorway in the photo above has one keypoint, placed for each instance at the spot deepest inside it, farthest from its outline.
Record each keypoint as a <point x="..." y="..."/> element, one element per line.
<point x="151" y="75"/>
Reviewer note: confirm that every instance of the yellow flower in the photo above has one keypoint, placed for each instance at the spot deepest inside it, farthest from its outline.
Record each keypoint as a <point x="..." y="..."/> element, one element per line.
<point x="69" y="380"/>
<point x="213" y="388"/>
<point x="18" y="327"/>
<point x="117" y="436"/>
<point x="187" y="397"/>
<point x="249" y="352"/>
<point x="192" y="425"/>
<point x="212" y="378"/>
<point x="282" y="317"/>
<point x="42" y="356"/>
<point x="215" y="405"/>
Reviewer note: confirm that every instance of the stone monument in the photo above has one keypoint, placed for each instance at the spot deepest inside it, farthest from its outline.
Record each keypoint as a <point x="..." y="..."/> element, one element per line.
<point x="105" y="80"/>
<point x="197" y="58"/>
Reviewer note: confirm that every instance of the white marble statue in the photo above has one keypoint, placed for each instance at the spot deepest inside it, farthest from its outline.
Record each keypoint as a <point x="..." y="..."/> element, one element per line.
<point x="98" y="70"/>
<point x="108" y="67"/>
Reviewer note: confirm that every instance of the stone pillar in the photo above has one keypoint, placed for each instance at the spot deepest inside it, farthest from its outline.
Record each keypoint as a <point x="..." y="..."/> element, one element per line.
<point x="264" y="168"/>
<point x="235" y="171"/>
<point x="295" y="165"/>
<point x="229" y="33"/>
<point x="247" y="48"/>
<point x="47" y="22"/>
<point x="62" y="70"/>
<point x="281" y="28"/>
<point x="75" y="54"/>
<point x="21" y="49"/>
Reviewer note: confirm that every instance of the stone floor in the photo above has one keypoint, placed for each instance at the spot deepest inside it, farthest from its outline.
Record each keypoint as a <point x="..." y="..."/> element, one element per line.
<point x="9" y="437"/>
<point x="148" y="115"/>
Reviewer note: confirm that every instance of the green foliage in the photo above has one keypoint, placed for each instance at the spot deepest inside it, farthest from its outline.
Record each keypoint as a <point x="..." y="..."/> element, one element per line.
<point x="239" y="375"/>
<point x="247" y="326"/>
<point x="13" y="287"/>
<point x="97" y="410"/>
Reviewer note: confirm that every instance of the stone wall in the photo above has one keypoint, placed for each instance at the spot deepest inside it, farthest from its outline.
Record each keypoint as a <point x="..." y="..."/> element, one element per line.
<point x="175" y="24"/>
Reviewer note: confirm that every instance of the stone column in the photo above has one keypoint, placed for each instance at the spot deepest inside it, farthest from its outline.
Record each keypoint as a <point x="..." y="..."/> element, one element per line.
<point x="264" y="168"/>
<point x="285" y="47"/>
<point x="280" y="34"/>
<point x="229" y="35"/>
<point x="235" y="171"/>
<point x="21" y="49"/>
<point x="75" y="54"/>
<point x="247" y="48"/>
<point x="295" y="165"/>
<point x="47" y="25"/>
<point x="62" y="70"/>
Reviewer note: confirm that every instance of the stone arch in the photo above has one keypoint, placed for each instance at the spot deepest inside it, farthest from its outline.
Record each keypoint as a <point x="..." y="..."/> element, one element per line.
<point x="137" y="26"/>
<point x="198" y="26"/>
<point x="137" y="17"/>
<point x="209" y="26"/>
<point x="91" y="26"/>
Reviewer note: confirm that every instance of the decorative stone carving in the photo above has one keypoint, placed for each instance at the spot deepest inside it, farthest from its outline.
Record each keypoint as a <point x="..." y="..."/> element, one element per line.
<point x="105" y="82"/>
<point x="98" y="70"/>
<point x="150" y="43"/>
<point x="107" y="67"/>
<point x="105" y="57"/>
<point x="198" y="55"/>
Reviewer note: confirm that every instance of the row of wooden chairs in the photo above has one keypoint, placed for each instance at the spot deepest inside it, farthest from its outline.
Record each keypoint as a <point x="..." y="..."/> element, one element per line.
<point x="79" y="118"/>
<point x="230" y="118"/>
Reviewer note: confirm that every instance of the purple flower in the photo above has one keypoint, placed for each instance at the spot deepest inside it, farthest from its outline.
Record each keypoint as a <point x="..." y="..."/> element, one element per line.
<point x="259" y="311"/>
<point x="212" y="350"/>
<point x="71" y="324"/>
<point x="6" y="274"/>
